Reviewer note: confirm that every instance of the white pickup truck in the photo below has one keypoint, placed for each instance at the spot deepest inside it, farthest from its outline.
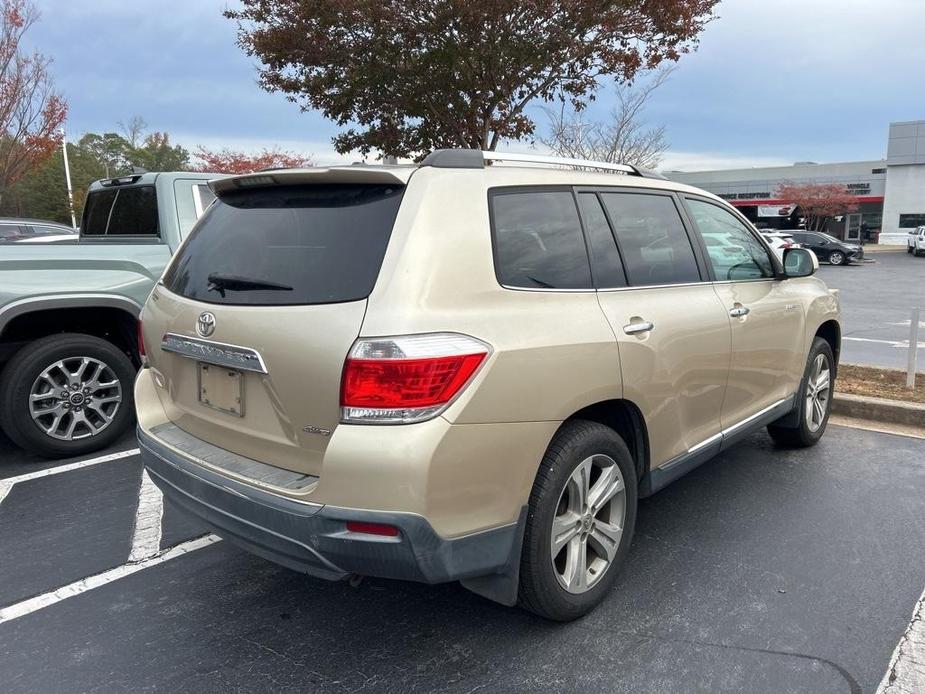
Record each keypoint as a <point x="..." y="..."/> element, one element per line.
<point x="916" y="241"/>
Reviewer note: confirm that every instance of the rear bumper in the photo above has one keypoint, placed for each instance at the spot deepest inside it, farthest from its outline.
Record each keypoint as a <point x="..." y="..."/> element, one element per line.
<point x="313" y="538"/>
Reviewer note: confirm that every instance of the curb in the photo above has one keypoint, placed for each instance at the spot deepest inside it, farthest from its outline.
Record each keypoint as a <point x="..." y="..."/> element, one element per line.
<point x="879" y="409"/>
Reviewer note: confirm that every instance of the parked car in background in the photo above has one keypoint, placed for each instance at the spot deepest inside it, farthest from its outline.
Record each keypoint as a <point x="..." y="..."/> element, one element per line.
<point x="780" y="241"/>
<point x="828" y="248"/>
<point x="916" y="241"/>
<point x="68" y="313"/>
<point x="13" y="230"/>
<point x="337" y="388"/>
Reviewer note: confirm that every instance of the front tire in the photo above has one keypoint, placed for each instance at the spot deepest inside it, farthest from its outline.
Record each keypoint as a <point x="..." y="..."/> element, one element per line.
<point x="814" y="400"/>
<point x="580" y="523"/>
<point x="836" y="258"/>
<point x="66" y="395"/>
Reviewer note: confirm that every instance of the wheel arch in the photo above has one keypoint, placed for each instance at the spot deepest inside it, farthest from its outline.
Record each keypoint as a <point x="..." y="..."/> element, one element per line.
<point x="830" y="331"/>
<point x="625" y="418"/>
<point x="109" y="317"/>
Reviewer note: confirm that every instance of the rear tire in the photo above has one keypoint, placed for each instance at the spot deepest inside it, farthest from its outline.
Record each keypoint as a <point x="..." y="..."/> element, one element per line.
<point x="591" y="551"/>
<point x="813" y="413"/>
<point x="836" y="258"/>
<point x="35" y="389"/>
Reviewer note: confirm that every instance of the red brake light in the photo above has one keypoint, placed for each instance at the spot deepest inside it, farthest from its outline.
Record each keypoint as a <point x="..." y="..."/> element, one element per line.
<point x="407" y="379"/>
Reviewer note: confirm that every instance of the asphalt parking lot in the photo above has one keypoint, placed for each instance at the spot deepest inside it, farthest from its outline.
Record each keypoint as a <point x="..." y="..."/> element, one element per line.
<point x="765" y="570"/>
<point x="877" y="299"/>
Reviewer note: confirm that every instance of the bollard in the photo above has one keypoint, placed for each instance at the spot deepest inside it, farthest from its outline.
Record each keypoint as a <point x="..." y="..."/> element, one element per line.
<point x="913" y="346"/>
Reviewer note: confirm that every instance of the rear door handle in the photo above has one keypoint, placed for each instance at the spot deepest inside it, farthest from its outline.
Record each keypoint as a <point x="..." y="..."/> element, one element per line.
<point x="739" y="311"/>
<point x="640" y="327"/>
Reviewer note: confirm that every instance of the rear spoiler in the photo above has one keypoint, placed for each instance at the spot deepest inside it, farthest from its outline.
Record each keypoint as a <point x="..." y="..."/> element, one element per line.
<point x="398" y="175"/>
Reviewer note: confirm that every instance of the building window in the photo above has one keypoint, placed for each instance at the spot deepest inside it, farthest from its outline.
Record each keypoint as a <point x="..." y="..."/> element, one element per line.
<point x="878" y="171"/>
<point x="911" y="221"/>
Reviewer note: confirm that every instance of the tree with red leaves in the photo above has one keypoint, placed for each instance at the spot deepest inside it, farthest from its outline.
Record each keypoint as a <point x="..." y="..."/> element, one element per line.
<point x="419" y="75"/>
<point x="236" y="162"/>
<point x="818" y="201"/>
<point x="31" y="112"/>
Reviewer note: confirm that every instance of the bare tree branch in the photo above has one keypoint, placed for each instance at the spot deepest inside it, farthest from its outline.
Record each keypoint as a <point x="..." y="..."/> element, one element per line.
<point x="624" y="138"/>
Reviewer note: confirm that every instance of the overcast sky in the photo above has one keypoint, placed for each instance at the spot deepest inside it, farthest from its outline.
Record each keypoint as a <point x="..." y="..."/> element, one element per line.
<point x="772" y="82"/>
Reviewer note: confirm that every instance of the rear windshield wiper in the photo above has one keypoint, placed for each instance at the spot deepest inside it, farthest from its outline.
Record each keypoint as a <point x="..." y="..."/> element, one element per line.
<point x="235" y="283"/>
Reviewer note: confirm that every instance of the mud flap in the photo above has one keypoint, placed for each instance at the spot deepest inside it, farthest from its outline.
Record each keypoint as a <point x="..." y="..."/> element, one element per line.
<point x="502" y="586"/>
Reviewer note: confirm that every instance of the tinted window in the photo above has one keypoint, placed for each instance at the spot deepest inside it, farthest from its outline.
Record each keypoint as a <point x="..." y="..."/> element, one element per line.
<point x="732" y="248"/>
<point x="538" y="240"/>
<point x="314" y="244"/>
<point x="121" y="212"/>
<point x="909" y="221"/>
<point x="607" y="265"/>
<point x="134" y="213"/>
<point x="96" y="212"/>
<point x="654" y="245"/>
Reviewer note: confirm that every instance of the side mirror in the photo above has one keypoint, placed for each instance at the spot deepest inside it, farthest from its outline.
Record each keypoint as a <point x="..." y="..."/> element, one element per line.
<point x="800" y="262"/>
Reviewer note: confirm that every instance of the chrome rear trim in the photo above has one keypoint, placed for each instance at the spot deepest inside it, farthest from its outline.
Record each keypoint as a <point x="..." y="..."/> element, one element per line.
<point x="218" y="353"/>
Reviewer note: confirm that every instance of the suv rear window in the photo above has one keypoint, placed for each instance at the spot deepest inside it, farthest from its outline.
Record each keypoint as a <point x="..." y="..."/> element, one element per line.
<point x="121" y="212"/>
<point x="288" y="245"/>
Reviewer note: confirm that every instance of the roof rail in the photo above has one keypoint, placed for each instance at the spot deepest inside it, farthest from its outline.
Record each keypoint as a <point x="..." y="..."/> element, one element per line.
<point x="476" y="159"/>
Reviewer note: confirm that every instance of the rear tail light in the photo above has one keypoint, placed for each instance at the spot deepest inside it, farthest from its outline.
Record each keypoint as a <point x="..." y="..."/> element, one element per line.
<point x="401" y="380"/>
<point x="141" y="342"/>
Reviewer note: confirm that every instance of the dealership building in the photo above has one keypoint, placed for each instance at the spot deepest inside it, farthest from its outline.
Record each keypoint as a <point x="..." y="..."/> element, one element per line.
<point x="890" y="192"/>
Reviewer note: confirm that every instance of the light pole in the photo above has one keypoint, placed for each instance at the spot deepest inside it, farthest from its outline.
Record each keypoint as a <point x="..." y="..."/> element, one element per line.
<point x="67" y="176"/>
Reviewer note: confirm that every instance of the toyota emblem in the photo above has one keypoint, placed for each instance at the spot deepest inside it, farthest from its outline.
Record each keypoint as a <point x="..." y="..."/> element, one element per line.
<point x="205" y="324"/>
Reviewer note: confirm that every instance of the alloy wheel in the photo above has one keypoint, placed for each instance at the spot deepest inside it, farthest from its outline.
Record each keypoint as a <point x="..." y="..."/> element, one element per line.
<point x="588" y="525"/>
<point x="836" y="258"/>
<point x="75" y="398"/>
<point x="818" y="391"/>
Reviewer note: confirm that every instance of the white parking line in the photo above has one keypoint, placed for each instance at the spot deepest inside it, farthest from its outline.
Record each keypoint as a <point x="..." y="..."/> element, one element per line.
<point x="906" y="673"/>
<point x="7" y="484"/>
<point x="39" y="602"/>
<point x="146" y="536"/>
<point x="903" y="344"/>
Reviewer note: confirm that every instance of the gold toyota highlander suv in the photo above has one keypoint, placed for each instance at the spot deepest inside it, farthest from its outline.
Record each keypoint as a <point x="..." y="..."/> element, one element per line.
<point x="471" y="369"/>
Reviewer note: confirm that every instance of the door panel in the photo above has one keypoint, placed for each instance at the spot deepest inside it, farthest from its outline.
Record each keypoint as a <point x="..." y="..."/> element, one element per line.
<point x="767" y="346"/>
<point x="671" y="330"/>
<point x="766" y="320"/>
<point x="676" y="372"/>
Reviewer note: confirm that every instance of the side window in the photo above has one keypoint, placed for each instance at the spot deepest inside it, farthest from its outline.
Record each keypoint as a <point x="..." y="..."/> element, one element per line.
<point x="203" y="197"/>
<point x="538" y="240"/>
<point x="734" y="252"/>
<point x="654" y="245"/>
<point x="608" y="268"/>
